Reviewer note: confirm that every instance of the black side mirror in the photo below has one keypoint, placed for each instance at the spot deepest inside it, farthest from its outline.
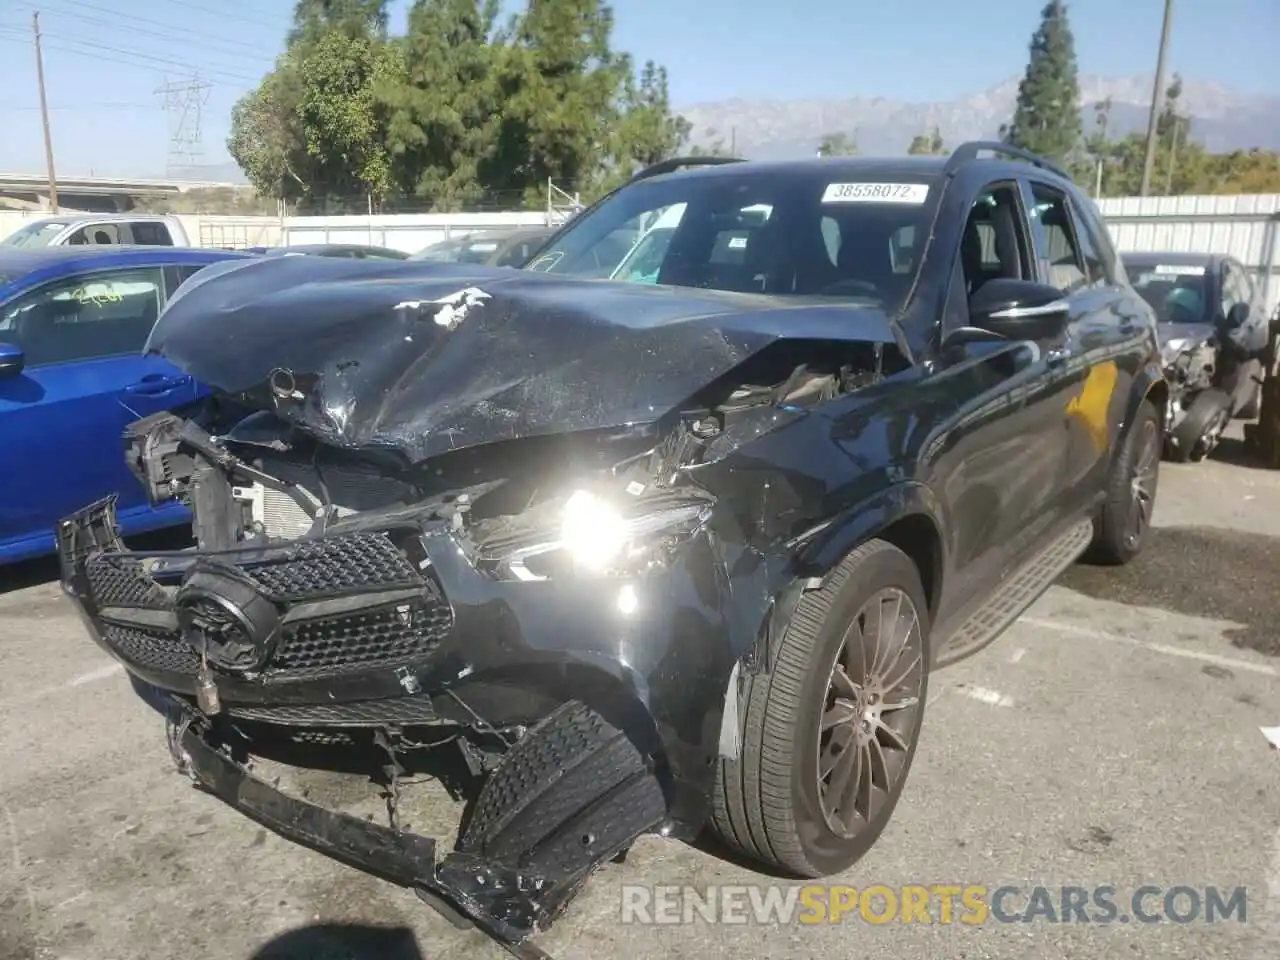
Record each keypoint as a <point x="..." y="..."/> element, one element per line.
<point x="1019" y="309"/>
<point x="12" y="359"/>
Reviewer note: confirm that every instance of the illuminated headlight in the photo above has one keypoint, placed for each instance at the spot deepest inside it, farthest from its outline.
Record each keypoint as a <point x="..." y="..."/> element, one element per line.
<point x="591" y="535"/>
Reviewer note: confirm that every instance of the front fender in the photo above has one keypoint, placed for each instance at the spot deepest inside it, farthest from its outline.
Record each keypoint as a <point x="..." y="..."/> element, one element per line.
<point x="1149" y="384"/>
<point x="824" y="548"/>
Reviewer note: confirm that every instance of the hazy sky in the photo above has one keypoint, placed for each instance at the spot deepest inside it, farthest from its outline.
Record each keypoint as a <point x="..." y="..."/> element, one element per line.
<point x="105" y="59"/>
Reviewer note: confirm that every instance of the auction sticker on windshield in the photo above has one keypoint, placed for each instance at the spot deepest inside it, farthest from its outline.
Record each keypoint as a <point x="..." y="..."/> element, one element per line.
<point x="876" y="193"/>
<point x="1179" y="270"/>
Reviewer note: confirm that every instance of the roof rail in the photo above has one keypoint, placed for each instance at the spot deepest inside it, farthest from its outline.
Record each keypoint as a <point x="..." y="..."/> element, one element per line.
<point x="969" y="151"/>
<point x="675" y="163"/>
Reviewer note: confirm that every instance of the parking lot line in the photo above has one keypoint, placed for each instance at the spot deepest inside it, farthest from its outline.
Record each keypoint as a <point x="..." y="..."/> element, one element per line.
<point x="1229" y="662"/>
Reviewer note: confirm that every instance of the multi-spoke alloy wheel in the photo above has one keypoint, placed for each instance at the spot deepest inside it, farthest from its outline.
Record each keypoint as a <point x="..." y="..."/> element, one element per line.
<point x="829" y="730"/>
<point x="1146" y="467"/>
<point x="869" y="714"/>
<point x="1121" y="525"/>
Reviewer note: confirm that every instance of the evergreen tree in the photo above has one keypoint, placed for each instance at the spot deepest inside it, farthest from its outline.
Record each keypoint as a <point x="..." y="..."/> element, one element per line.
<point x="444" y="119"/>
<point x="1046" y="119"/>
<point x="927" y="144"/>
<point x="312" y="19"/>
<point x="837" y="145"/>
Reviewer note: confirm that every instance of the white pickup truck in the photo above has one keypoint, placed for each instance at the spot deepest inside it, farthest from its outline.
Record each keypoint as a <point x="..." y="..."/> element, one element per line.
<point x="99" y="229"/>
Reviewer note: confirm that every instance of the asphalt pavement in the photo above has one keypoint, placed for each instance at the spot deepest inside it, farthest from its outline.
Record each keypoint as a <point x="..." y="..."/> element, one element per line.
<point x="1111" y="737"/>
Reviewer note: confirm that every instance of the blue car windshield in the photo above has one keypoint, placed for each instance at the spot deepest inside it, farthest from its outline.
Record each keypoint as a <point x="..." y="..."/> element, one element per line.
<point x="790" y="232"/>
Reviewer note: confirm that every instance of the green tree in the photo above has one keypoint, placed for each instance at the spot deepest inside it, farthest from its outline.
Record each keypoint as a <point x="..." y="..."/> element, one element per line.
<point x="457" y="111"/>
<point x="648" y="130"/>
<point x="312" y="19"/>
<point x="266" y="135"/>
<point x="837" y="145"/>
<point x="344" y="128"/>
<point x="444" y="118"/>
<point x="1046" y="119"/>
<point x="927" y="143"/>
<point x="560" y="81"/>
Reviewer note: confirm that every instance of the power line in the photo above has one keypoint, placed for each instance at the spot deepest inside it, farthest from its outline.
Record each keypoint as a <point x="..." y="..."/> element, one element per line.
<point x="171" y="33"/>
<point x="110" y="58"/>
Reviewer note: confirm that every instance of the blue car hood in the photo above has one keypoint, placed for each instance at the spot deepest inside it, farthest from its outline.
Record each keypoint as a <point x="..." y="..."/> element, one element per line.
<point x="425" y="357"/>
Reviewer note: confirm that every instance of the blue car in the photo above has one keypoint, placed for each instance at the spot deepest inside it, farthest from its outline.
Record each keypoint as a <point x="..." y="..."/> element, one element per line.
<point x="73" y="321"/>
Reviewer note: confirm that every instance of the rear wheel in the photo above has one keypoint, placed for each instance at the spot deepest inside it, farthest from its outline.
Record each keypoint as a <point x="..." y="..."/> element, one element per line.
<point x="1121" y="526"/>
<point x="830" y="733"/>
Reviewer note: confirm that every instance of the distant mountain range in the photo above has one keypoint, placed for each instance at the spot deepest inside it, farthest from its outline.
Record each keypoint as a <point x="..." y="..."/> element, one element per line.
<point x="1223" y="119"/>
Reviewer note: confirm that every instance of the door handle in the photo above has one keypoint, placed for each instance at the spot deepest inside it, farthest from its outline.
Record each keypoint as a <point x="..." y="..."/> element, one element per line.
<point x="154" y="384"/>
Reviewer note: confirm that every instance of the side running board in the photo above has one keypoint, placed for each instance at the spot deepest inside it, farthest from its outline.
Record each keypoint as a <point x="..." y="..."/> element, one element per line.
<point x="1015" y="595"/>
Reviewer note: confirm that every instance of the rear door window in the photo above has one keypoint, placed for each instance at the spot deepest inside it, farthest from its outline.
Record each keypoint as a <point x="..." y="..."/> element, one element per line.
<point x="151" y="234"/>
<point x="95" y="234"/>
<point x="1057" y="246"/>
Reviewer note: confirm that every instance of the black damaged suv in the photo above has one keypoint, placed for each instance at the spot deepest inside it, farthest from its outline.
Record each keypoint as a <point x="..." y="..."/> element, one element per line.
<point x="667" y="530"/>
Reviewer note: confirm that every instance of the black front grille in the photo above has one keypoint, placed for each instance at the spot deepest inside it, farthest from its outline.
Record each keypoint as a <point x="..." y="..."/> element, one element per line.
<point x="363" y="713"/>
<point x="385" y="636"/>
<point x="121" y="582"/>
<point x="332" y="567"/>
<point x="152" y="649"/>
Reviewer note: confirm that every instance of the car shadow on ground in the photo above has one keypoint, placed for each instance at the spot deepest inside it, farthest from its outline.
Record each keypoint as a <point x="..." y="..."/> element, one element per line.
<point x="342" y="941"/>
<point x="1237" y="453"/>
<point x="32" y="573"/>
<point x="1200" y="572"/>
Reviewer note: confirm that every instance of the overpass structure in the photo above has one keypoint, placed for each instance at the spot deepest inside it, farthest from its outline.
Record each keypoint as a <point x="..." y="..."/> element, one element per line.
<point x="96" y="194"/>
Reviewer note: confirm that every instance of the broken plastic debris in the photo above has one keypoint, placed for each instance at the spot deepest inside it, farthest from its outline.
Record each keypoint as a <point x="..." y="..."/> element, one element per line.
<point x="1273" y="736"/>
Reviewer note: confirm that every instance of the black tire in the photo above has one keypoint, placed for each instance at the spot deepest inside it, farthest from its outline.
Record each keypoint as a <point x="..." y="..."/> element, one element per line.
<point x="1208" y="407"/>
<point x="767" y="804"/>
<point x="572" y="792"/>
<point x="1116" y="540"/>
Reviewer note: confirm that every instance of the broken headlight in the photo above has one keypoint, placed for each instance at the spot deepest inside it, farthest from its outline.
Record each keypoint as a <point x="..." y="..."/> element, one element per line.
<point x="589" y="534"/>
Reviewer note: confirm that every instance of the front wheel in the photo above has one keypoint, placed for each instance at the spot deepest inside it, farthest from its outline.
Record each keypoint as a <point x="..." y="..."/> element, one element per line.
<point x="829" y="734"/>
<point x="1200" y="430"/>
<point x="1121" y="526"/>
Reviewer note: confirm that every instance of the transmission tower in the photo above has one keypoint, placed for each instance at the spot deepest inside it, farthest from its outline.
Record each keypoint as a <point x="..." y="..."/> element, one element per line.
<point x="183" y="100"/>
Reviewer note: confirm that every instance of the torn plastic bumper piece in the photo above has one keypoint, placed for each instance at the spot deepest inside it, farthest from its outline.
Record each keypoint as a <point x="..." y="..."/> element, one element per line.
<point x="507" y="905"/>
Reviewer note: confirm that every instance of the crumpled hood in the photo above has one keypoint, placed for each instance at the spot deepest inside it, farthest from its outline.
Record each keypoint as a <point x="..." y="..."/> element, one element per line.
<point x="426" y="357"/>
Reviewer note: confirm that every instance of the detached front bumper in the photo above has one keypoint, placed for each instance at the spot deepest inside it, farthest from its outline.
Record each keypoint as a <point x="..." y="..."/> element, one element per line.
<point x="507" y="904"/>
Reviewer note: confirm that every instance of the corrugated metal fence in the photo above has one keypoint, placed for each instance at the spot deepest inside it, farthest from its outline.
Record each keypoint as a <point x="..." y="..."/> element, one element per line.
<point x="1244" y="227"/>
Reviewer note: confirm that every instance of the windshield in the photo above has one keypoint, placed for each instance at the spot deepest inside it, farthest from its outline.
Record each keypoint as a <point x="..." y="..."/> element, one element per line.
<point x="1178" y="293"/>
<point x="36" y="234"/>
<point x="782" y="232"/>
<point x="463" y="250"/>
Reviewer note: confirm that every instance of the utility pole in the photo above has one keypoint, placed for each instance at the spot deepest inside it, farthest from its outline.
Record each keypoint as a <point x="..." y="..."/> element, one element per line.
<point x="1156" y="96"/>
<point x="44" y="115"/>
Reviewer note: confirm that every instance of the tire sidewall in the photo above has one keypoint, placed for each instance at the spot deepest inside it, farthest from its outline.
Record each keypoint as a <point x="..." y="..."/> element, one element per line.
<point x="1120" y="503"/>
<point x="827" y="852"/>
